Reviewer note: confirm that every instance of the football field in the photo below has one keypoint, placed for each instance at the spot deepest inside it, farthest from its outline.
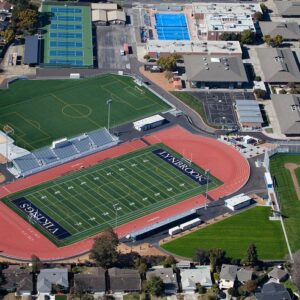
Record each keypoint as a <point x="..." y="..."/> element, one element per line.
<point x="41" y="111"/>
<point x="114" y="192"/>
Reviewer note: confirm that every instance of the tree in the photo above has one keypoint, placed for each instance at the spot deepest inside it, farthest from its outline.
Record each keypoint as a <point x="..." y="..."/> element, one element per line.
<point x="216" y="257"/>
<point x="169" y="261"/>
<point x="27" y="20"/>
<point x="167" y="63"/>
<point x="267" y="39"/>
<point x="250" y="286"/>
<point x="200" y="288"/>
<point x="169" y="75"/>
<point x="154" y="286"/>
<point x="277" y="40"/>
<point x="104" y="250"/>
<point x="247" y="37"/>
<point x="8" y="35"/>
<point x="264" y="8"/>
<point x="296" y="269"/>
<point x="229" y="36"/>
<point x="252" y="256"/>
<point x="233" y="292"/>
<point x="259" y="93"/>
<point x="201" y="256"/>
<point x="258" y="16"/>
<point x="36" y="263"/>
<point x="142" y="269"/>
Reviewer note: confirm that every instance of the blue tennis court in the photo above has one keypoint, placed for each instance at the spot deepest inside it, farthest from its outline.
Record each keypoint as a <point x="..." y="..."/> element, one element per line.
<point x="66" y="10"/>
<point x="66" y="26"/>
<point x="67" y="18"/>
<point x="66" y="35"/>
<point x="171" y="27"/>
<point x="66" y="62"/>
<point x="65" y="44"/>
<point x="65" y="53"/>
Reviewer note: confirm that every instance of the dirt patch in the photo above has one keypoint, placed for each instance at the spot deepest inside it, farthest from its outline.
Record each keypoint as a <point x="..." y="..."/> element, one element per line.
<point x="2" y="178"/>
<point x="292" y="167"/>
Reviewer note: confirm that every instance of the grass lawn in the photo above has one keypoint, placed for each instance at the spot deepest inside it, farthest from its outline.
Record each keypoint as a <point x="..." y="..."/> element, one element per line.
<point x="41" y="111"/>
<point x="234" y="235"/>
<point x="195" y="104"/>
<point x="111" y="193"/>
<point x="290" y="205"/>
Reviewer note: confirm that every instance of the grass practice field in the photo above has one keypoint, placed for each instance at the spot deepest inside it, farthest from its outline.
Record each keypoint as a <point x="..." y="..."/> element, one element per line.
<point x="111" y="193"/>
<point x="41" y="111"/>
<point x="234" y="236"/>
<point x="290" y="205"/>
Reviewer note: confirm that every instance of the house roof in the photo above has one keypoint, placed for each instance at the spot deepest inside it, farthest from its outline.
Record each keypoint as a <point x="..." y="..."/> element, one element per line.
<point x="5" y="6"/>
<point x="287" y="108"/>
<point x="93" y="279"/>
<point x="166" y="275"/>
<point x="31" y="50"/>
<point x="244" y="275"/>
<point x="25" y="285"/>
<point x="116" y="15"/>
<point x="273" y="291"/>
<point x="124" y="279"/>
<point x="279" y="65"/>
<point x="228" y="272"/>
<point x="288" y="30"/>
<point x="99" y="15"/>
<point x="209" y="68"/>
<point x="104" y="6"/>
<point x="14" y="276"/>
<point x="183" y="264"/>
<point x="287" y="8"/>
<point x="190" y="277"/>
<point x="48" y="277"/>
<point x="277" y="273"/>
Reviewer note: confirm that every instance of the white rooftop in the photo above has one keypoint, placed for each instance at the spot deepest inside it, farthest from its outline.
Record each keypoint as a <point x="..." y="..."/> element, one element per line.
<point x="199" y="47"/>
<point x="226" y="8"/>
<point x="239" y="199"/>
<point x="148" y="120"/>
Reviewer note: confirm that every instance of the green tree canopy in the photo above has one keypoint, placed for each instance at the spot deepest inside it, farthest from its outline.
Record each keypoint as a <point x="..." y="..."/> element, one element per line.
<point x="8" y="35"/>
<point x="252" y="256"/>
<point x="247" y="37"/>
<point x="154" y="286"/>
<point x="104" y="251"/>
<point x="167" y="63"/>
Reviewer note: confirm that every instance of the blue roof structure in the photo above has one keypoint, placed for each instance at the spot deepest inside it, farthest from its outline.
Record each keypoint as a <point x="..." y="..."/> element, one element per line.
<point x="31" y="55"/>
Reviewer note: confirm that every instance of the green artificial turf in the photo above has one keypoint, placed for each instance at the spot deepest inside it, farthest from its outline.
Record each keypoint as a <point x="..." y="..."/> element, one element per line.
<point x="234" y="236"/>
<point x="111" y="193"/>
<point x="41" y="111"/>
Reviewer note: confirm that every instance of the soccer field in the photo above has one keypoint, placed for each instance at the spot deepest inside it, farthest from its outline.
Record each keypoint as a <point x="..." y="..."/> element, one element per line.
<point x="111" y="193"/>
<point x="41" y="111"/>
<point x="234" y="236"/>
<point x="290" y="205"/>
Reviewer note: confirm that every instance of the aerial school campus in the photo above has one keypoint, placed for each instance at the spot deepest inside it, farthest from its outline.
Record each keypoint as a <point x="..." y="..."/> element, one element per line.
<point x="94" y="136"/>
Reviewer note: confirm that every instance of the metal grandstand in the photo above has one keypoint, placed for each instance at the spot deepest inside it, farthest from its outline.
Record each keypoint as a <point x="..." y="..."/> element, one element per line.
<point x="62" y="151"/>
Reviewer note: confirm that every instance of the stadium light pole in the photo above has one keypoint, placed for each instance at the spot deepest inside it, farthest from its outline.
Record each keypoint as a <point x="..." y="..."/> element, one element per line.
<point x="206" y="191"/>
<point x="108" y="102"/>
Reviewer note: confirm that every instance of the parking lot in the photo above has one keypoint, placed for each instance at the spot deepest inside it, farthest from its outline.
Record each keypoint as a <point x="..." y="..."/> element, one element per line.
<point x="219" y="107"/>
<point x="110" y="40"/>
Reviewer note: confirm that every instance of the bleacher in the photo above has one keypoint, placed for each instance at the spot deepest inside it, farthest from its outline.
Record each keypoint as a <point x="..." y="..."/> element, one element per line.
<point x="63" y="151"/>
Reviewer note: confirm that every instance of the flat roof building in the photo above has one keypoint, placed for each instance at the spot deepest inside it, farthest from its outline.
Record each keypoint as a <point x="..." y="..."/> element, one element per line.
<point x="238" y="202"/>
<point x="290" y="31"/>
<point x="157" y="48"/>
<point x="279" y="65"/>
<point x="214" y="72"/>
<point x="288" y="8"/>
<point x="31" y="54"/>
<point x="104" y="6"/>
<point x="249" y="113"/>
<point x="287" y="108"/>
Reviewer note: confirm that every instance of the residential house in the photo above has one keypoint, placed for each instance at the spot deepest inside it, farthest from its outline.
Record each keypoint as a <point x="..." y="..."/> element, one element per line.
<point x="206" y="71"/>
<point x="49" y="278"/>
<point x="273" y="291"/>
<point x="17" y="280"/>
<point x="191" y="277"/>
<point x="91" y="281"/>
<point x="244" y="275"/>
<point x="279" y="65"/>
<point x="278" y="274"/>
<point x="167" y="276"/>
<point x="228" y="276"/>
<point x="124" y="280"/>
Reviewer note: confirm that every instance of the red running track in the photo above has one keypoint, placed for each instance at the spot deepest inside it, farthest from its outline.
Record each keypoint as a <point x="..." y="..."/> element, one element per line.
<point x="18" y="239"/>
